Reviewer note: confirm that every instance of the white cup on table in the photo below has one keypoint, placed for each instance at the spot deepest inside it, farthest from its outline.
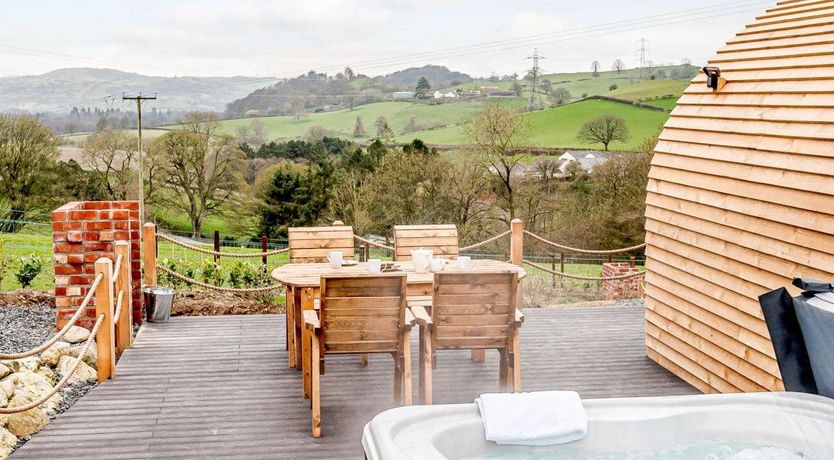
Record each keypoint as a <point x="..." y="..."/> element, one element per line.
<point x="335" y="259"/>
<point x="374" y="265"/>
<point x="463" y="262"/>
<point x="437" y="264"/>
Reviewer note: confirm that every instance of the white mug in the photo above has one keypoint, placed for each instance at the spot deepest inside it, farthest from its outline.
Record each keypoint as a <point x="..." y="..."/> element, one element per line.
<point x="335" y="259"/>
<point x="463" y="262"/>
<point x="437" y="265"/>
<point x="374" y="265"/>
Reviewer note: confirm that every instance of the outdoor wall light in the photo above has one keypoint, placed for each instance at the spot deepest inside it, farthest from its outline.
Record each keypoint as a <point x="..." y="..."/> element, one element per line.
<point x="714" y="79"/>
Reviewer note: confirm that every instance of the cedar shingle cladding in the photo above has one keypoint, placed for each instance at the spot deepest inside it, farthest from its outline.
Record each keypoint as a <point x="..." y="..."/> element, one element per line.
<point x="741" y="199"/>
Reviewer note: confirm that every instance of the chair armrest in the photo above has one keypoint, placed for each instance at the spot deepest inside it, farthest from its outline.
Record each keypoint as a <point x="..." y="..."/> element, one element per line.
<point x="519" y="317"/>
<point x="421" y="317"/>
<point x="311" y="320"/>
<point x="409" y="319"/>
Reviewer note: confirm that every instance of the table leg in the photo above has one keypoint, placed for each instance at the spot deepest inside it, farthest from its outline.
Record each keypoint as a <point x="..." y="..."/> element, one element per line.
<point x="478" y="356"/>
<point x="307" y="297"/>
<point x="290" y="316"/>
<point x="298" y="326"/>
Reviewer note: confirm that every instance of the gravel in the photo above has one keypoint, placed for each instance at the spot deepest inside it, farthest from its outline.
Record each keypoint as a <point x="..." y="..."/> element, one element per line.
<point x="25" y="327"/>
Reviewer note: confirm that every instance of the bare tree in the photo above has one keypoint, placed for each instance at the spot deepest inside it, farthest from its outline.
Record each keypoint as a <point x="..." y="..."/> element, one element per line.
<point x="560" y="96"/>
<point x="595" y="69"/>
<point x="200" y="169"/>
<point x="618" y="65"/>
<point x="359" y="128"/>
<point x="383" y="129"/>
<point x="110" y="156"/>
<point x="604" y="129"/>
<point x="496" y="133"/>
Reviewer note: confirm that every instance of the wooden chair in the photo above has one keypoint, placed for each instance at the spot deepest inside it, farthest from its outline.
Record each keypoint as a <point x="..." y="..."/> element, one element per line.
<point x="442" y="239"/>
<point x="360" y="314"/>
<point x="474" y="311"/>
<point x="312" y="244"/>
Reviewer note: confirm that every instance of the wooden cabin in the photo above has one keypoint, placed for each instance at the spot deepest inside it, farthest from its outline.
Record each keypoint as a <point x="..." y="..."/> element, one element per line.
<point x="741" y="199"/>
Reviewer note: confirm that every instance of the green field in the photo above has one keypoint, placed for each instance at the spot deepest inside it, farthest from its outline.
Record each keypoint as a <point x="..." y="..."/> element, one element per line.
<point x="79" y="139"/>
<point x="557" y="127"/>
<point x="649" y="89"/>
<point x="667" y="103"/>
<point x="342" y="122"/>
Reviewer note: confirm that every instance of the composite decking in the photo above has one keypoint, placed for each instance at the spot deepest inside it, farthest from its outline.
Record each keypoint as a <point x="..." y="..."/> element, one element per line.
<point x="219" y="387"/>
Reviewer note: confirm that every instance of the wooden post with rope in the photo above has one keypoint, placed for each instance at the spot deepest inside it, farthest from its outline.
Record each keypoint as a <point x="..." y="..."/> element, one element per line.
<point x="149" y="254"/>
<point x="124" y="287"/>
<point x="106" y="352"/>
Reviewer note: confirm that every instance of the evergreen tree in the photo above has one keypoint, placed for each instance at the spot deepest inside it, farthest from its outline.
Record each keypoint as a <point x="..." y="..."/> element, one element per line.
<point x="422" y="87"/>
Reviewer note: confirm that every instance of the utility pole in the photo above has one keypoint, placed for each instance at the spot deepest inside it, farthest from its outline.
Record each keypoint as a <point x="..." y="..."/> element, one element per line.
<point x="139" y="99"/>
<point x="535" y="100"/>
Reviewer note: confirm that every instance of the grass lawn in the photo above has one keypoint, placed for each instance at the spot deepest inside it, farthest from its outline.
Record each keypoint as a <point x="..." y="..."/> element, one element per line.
<point x="557" y="127"/>
<point x="667" y="103"/>
<point x="649" y="89"/>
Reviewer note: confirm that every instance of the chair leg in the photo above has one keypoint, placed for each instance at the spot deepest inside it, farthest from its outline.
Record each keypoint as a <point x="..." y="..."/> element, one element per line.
<point x="515" y="363"/>
<point x="478" y="356"/>
<point x="315" y="390"/>
<point x="503" y="370"/>
<point x="406" y="371"/>
<point x="398" y="378"/>
<point x="363" y="359"/>
<point x="426" y="365"/>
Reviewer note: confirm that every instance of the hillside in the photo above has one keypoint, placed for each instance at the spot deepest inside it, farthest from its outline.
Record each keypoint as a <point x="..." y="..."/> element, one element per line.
<point x="649" y="89"/>
<point x="63" y="89"/>
<point x="342" y="122"/>
<point x="557" y="127"/>
<point x="438" y="77"/>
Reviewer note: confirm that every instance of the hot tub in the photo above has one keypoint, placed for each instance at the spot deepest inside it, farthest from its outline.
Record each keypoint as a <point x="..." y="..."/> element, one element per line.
<point x="724" y="426"/>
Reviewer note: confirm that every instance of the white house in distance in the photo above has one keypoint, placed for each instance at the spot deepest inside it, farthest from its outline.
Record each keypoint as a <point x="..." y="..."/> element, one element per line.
<point x="438" y="94"/>
<point x="587" y="159"/>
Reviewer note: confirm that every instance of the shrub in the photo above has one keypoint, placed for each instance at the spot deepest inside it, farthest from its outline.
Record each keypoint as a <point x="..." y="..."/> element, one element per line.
<point x="3" y="266"/>
<point x="30" y="267"/>
<point x="212" y="273"/>
<point x="179" y="266"/>
<point x="612" y="87"/>
<point x="245" y="275"/>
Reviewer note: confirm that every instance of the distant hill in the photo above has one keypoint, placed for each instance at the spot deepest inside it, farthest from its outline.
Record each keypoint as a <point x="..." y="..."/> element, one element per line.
<point x="63" y="89"/>
<point x="438" y="77"/>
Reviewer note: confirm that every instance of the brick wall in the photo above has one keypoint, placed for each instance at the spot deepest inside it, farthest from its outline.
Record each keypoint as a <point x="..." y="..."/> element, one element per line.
<point x="628" y="288"/>
<point x="82" y="232"/>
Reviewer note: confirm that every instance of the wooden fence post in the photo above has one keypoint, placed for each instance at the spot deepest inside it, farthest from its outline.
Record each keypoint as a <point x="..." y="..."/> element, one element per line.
<point x="106" y="353"/>
<point x="516" y="241"/>
<point x="366" y="252"/>
<point x="124" y="284"/>
<point x="263" y="248"/>
<point x="216" y="246"/>
<point x="149" y="254"/>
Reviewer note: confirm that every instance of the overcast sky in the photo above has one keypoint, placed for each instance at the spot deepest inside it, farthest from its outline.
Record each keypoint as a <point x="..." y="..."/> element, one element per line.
<point x="284" y="38"/>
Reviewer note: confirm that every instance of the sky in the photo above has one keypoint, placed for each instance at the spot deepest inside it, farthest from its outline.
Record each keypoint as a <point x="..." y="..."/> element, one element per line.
<point x="374" y="37"/>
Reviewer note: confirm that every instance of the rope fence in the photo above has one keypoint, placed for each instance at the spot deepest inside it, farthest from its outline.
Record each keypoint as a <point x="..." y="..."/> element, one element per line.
<point x="241" y="255"/>
<point x="194" y="282"/>
<point x="584" y="251"/>
<point x="485" y="242"/>
<point x="373" y="243"/>
<point x="64" y="380"/>
<point x="71" y="322"/>
<point x="583" y="277"/>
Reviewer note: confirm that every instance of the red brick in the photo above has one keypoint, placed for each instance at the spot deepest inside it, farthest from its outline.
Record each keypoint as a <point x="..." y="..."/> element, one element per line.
<point x="59" y="216"/>
<point x="120" y="214"/>
<point x="64" y="226"/>
<point x="75" y="236"/>
<point x="106" y="236"/>
<point x="91" y="257"/>
<point x="98" y="225"/>
<point x="122" y="235"/>
<point x="68" y="269"/>
<point x="121" y="225"/>
<point x="82" y="215"/>
<point x="132" y="205"/>
<point x="81" y="279"/>
<point x="59" y="237"/>
<point x="75" y="259"/>
<point x="97" y="205"/>
<point x="92" y="236"/>
<point x="62" y="302"/>
<point x="60" y="258"/>
<point x="134" y="224"/>
<point x="98" y="246"/>
<point x="60" y="290"/>
<point x="65" y="247"/>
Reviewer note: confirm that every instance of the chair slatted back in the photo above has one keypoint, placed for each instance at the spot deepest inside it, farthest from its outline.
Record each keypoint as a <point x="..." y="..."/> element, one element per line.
<point x="312" y="244"/>
<point x="474" y="310"/>
<point x="362" y="313"/>
<point x="442" y="239"/>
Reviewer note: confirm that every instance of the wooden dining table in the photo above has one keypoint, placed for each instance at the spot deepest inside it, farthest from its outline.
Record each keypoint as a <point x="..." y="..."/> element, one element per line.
<point x="303" y="281"/>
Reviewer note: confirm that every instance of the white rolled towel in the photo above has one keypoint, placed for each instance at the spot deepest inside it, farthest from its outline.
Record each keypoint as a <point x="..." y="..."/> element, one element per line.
<point x="539" y="418"/>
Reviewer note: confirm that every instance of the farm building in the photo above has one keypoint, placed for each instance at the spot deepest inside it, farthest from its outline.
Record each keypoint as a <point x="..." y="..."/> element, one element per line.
<point x="741" y="199"/>
<point x="403" y="95"/>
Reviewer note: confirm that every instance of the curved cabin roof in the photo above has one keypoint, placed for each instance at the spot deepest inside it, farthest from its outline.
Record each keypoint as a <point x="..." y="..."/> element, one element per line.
<point x="741" y="199"/>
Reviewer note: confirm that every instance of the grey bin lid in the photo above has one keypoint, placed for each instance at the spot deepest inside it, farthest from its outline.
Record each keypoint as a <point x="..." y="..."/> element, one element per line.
<point x="158" y="290"/>
<point x="816" y="318"/>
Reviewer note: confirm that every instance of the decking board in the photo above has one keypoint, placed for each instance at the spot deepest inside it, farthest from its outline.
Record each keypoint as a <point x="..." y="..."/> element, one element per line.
<point x="219" y="387"/>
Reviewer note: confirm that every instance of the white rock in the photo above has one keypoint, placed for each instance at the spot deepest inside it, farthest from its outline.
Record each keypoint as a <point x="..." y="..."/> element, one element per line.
<point x="90" y="357"/>
<point x="48" y="374"/>
<point x="32" y="387"/>
<point x="83" y="373"/>
<point x="76" y="334"/>
<point x="4" y="371"/>
<point x="25" y="423"/>
<point x="7" y="442"/>
<point x="29" y="363"/>
<point x="7" y="385"/>
<point x="51" y="355"/>
<point x="4" y="400"/>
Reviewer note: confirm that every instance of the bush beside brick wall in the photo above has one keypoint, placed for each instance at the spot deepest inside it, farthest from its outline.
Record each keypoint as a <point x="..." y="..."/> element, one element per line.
<point x="628" y="288"/>
<point x="82" y="232"/>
